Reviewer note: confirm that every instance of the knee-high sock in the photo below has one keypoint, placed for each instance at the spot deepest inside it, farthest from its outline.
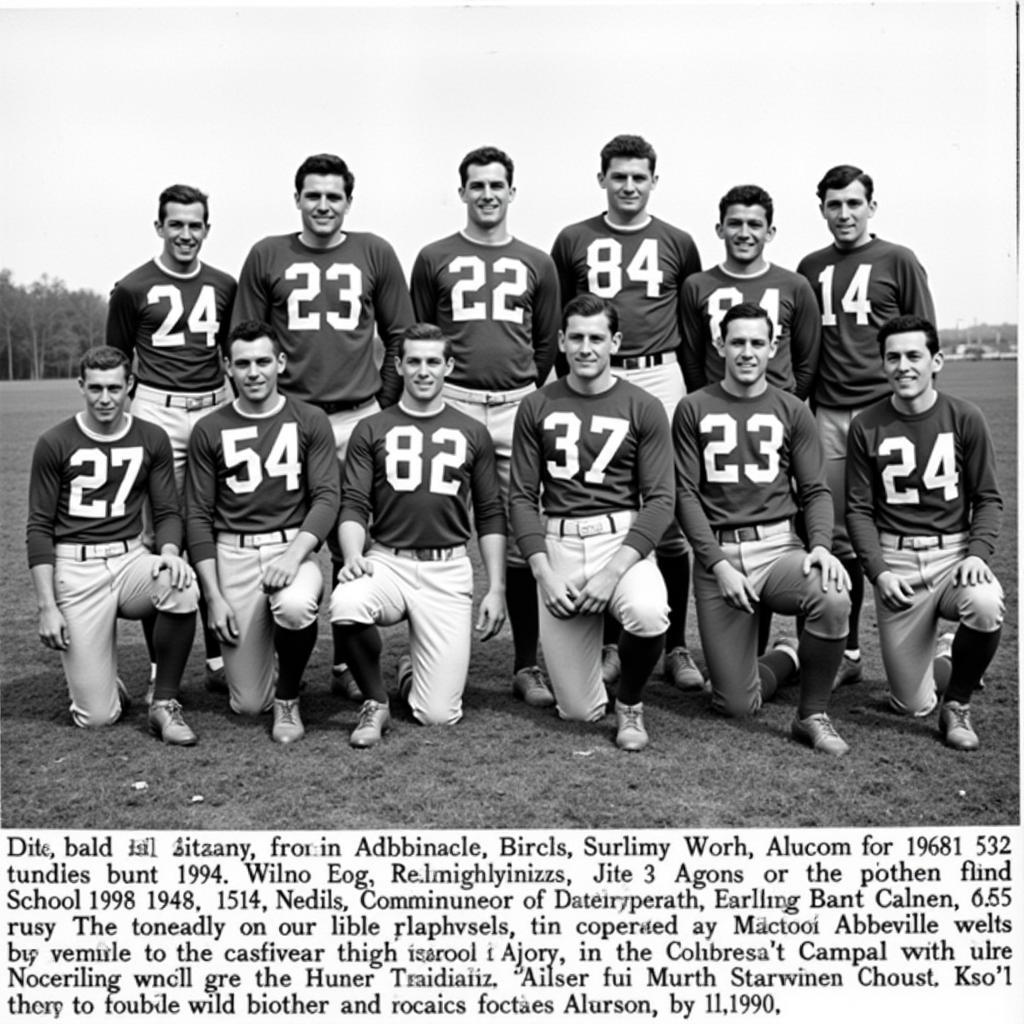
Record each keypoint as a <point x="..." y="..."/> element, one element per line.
<point x="172" y="644"/>
<point x="675" y="571"/>
<point x="852" y="566"/>
<point x="819" y="662"/>
<point x="521" y="599"/>
<point x="639" y="655"/>
<point x="972" y="653"/>
<point x="360" y="647"/>
<point x="774" y="669"/>
<point x="293" y="647"/>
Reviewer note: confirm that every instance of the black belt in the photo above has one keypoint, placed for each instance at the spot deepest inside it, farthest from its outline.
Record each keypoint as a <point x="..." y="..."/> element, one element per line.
<point x="426" y="554"/>
<point x="332" y="407"/>
<point x="746" y="534"/>
<point x="640" y="362"/>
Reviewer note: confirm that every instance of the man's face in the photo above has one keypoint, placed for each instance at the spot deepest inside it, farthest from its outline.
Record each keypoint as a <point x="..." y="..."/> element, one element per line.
<point x="588" y="344"/>
<point x="254" y="367"/>
<point x="183" y="230"/>
<point x="628" y="183"/>
<point x="745" y="231"/>
<point x="847" y="212"/>
<point x="423" y="369"/>
<point x="909" y="366"/>
<point x="746" y="348"/>
<point x="322" y="205"/>
<point x="106" y="397"/>
<point x="486" y="194"/>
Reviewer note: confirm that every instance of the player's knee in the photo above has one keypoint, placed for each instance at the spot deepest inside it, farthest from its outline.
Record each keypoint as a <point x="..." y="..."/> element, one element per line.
<point x="982" y="607"/>
<point x="827" y="612"/>
<point x="735" y="704"/>
<point x="645" y="617"/>
<point x="293" y="610"/>
<point x="172" y="600"/>
<point x="437" y="716"/>
<point x="248" y="702"/>
<point x="94" y="718"/>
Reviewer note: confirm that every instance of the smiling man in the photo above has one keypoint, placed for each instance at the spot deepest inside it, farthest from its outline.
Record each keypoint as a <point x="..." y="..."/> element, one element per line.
<point x="924" y="512"/>
<point x="262" y="495"/>
<point x="419" y="477"/>
<point x="496" y="298"/>
<point x="747" y="456"/>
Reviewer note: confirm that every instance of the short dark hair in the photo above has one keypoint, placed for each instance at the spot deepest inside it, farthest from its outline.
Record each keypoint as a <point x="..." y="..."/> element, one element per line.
<point x="904" y="325"/>
<point x="424" y="332"/>
<point x="325" y="163"/>
<point x="746" y="311"/>
<point x="591" y="305"/>
<point x="251" y="330"/>
<point x="746" y="195"/>
<point x="103" y="357"/>
<point x="486" y="155"/>
<point x="842" y="175"/>
<point x="184" y="194"/>
<point x="630" y="147"/>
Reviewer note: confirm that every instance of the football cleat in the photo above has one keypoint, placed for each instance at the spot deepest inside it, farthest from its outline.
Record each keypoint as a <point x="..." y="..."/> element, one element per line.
<point x="818" y="732"/>
<point x="681" y="670"/>
<point x="955" y="726"/>
<point x="343" y="683"/>
<point x="630" y="733"/>
<point x="288" y="725"/>
<point x="374" y="721"/>
<point x="850" y="671"/>
<point x="167" y="723"/>
<point x="531" y="686"/>
<point x="404" y="677"/>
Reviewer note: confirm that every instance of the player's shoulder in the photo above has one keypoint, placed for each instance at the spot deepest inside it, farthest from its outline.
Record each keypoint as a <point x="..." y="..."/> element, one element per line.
<point x="705" y="280"/>
<point x="218" y="278"/>
<point x="61" y="435"/>
<point x="441" y="247"/>
<point x="152" y="434"/>
<point x="961" y="408"/>
<point x="141" y="275"/>
<point x="878" y="413"/>
<point x="585" y="228"/>
<point x="368" y="241"/>
<point x="304" y="412"/>
<point x="669" y="231"/>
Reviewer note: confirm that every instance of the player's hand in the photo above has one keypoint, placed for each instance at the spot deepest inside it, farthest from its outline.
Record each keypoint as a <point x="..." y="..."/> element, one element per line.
<point x="179" y="571"/>
<point x="832" y="570"/>
<point x="280" y="572"/>
<point x="221" y="619"/>
<point x="894" y="592"/>
<point x="53" y="629"/>
<point x="972" y="571"/>
<point x="558" y="595"/>
<point x="492" y="615"/>
<point x="734" y="587"/>
<point x="597" y="592"/>
<point x="354" y="568"/>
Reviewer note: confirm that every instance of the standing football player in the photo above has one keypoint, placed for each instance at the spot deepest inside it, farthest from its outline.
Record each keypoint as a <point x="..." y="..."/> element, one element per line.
<point x="326" y="292"/>
<point x="171" y="315"/>
<point x="745" y="226"/>
<point x="262" y="495"/>
<point x="860" y="282"/>
<point x="593" y="451"/>
<point x="640" y="262"/>
<point x="424" y="474"/>
<point x="91" y="476"/>
<point x="742" y="448"/>
<point x="924" y="512"/>
<point x="496" y="298"/>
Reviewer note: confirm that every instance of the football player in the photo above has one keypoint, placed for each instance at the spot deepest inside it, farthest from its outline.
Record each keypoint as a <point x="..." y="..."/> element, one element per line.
<point x="593" y="450"/>
<point x="91" y="476"/>
<point x="424" y="473"/>
<point x="924" y="512"/>
<point x="640" y="262"/>
<point x="860" y="282"/>
<point x="496" y="298"/>
<point x="742" y="448"/>
<point x="171" y="315"/>
<point x="745" y="226"/>
<point x="326" y="292"/>
<point x="262" y="495"/>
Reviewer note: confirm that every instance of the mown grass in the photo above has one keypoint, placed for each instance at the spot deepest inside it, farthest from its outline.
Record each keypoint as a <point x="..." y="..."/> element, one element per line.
<point x="504" y="765"/>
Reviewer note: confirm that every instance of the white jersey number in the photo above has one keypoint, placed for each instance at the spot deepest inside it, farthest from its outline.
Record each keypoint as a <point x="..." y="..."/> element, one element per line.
<point x="721" y="300"/>
<point x="514" y="287"/>
<point x="403" y="459"/>
<point x="765" y="427"/>
<point x="568" y="428"/>
<point x="604" y="267"/>
<point x="282" y="459"/>
<point x="96" y="476"/>
<point x="855" y="300"/>
<point x="202" y="318"/>
<point x="344" y="281"/>
<point x="940" y="473"/>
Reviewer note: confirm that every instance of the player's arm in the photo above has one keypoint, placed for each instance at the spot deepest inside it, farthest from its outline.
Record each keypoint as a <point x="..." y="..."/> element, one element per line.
<point x="165" y="503"/>
<point x="43" y="495"/>
<point x="693" y="325"/>
<point x="252" y="299"/>
<point x="423" y="291"/>
<point x="568" y="287"/>
<point x="915" y="294"/>
<point x="986" y="501"/>
<point x="547" y="319"/>
<point x="804" y="338"/>
<point x="220" y="615"/>
<point x="394" y="315"/>
<point x="491" y="529"/>
<point x="492" y="613"/>
<point x="689" y="264"/>
<point x="53" y="628"/>
<point x="122" y="321"/>
<point x="356" y="505"/>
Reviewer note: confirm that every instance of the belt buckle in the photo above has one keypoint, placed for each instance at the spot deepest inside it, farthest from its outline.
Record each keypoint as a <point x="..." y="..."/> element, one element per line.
<point x="259" y="539"/>
<point x="590" y="527"/>
<point x="924" y="543"/>
<point x="109" y="550"/>
<point x="193" y="403"/>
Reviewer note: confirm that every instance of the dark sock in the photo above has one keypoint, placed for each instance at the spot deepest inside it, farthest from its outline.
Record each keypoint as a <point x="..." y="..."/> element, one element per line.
<point x="339" y="654"/>
<point x="972" y="653"/>
<point x="293" y="647"/>
<point x="521" y="600"/>
<point x="819" y="662"/>
<point x="210" y="641"/>
<point x="639" y="655"/>
<point x="360" y="646"/>
<point x="172" y="644"/>
<point x="774" y="669"/>
<point x="675" y="571"/>
<point x="764" y="629"/>
<point x="852" y="566"/>
<point x="612" y="629"/>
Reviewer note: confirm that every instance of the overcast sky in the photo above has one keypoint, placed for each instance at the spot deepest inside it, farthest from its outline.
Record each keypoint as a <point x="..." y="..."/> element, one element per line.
<point x="101" y="109"/>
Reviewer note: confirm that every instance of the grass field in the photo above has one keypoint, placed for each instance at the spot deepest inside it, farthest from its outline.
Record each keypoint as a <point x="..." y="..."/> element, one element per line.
<point x="505" y="765"/>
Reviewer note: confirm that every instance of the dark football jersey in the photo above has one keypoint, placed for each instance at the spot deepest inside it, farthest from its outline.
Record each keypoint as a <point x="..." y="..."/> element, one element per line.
<point x="584" y="455"/>
<point x="424" y="480"/>
<point x="925" y="474"/>
<point x="256" y="474"/>
<point x="88" y="488"/>
<point x="326" y="306"/>
<point x="858" y="290"/>
<point x="498" y="304"/>
<point x="784" y="295"/>
<point x="173" y="324"/>
<point x="641" y="270"/>
<point x="736" y="461"/>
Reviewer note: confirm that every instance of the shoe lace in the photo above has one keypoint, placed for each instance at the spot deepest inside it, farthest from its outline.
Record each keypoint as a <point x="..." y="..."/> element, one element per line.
<point x="367" y="714"/>
<point x="286" y="712"/>
<point x="961" y="715"/>
<point x="683" y="658"/>
<point x="825" y="726"/>
<point x="631" y="717"/>
<point x="535" y="678"/>
<point x="173" y="709"/>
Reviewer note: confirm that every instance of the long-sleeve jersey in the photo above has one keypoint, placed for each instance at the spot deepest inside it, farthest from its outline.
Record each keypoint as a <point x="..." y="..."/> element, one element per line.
<point x="498" y="304"/>
<point x="89" y="488"/>
<point x="255" y="474"/>
<point x="422" y="481"/>
<point x="326" y="305"/>
<point x="173" y="324"/>
<point x="736" y="461"/>
<point x="924" y="474"/>
<point x="580" y="455"/>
